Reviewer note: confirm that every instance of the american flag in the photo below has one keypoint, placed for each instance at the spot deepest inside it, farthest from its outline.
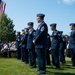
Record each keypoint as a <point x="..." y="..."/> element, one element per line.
<point x="2" y="7"/>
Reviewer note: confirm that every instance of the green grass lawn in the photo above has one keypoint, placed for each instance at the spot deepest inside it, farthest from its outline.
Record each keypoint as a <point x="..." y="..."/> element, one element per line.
<point x="15" y="67"/>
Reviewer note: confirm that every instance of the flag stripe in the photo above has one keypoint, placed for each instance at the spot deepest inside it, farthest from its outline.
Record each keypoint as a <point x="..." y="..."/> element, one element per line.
<point x="2" y="7"/>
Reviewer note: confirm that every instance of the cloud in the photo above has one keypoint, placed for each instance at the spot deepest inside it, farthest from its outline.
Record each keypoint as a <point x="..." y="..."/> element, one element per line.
<point x="66" y="1"/>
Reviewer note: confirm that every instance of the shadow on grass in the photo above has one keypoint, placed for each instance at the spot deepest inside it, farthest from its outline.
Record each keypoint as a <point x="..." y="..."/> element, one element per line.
<point x="68" y="66"/>
<point x="64" y="74"/>
<point x="57" y="73"/>
<point x="54" y="68"/>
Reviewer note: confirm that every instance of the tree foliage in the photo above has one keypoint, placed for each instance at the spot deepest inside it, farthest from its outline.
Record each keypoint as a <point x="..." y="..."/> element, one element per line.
<point x="7" y="32"/>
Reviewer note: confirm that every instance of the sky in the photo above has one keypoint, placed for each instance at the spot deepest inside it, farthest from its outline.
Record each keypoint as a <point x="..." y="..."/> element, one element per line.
<point x="61" y="12"/>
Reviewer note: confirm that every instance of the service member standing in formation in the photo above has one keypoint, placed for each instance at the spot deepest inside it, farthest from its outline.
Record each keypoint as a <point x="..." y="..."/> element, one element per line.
<point x="24" y="46"/>
<point x="40" y="41"/>
<point x="47" y="50"/>
<point x="55" y="46"/>
<point x="30" y="45"/>
<point x="18" y="41"/>
<point x="62" y="48"/>
<point x="72" y="42"/>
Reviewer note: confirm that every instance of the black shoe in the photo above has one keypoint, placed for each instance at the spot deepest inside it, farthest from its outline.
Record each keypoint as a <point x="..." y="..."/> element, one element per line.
<point x="42" y="72"/>
<point x="26" y="62"/>
<point x="73" y="65"/>
<point x="57" y="68"/>
<point x="63" y="62"/>
<point x="48" y="64"/>
<point x="23" y="60"/>
<point x="33" y="66"/>
<point x="18" y="59"/>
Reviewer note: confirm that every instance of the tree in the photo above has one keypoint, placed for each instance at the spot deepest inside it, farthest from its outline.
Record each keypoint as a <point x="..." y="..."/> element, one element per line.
<point x="7" y="32"/>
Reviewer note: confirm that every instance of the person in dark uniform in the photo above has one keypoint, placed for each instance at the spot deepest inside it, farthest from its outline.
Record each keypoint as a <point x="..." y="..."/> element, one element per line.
<point x="24" y="46"/>
<point x="18" y="41"/>
<point x="72" y="42"/>
<point x="62" y="47"/>
<point x="40" y="41"/>
<point x="47" y="50"/>
<point x="55" y="45"/>
<point x="30" y="45"/>
<point x="0" y="44"/>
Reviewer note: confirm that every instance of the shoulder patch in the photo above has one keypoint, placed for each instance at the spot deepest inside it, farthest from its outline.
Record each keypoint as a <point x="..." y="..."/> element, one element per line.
<point x="42" y="29"/>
